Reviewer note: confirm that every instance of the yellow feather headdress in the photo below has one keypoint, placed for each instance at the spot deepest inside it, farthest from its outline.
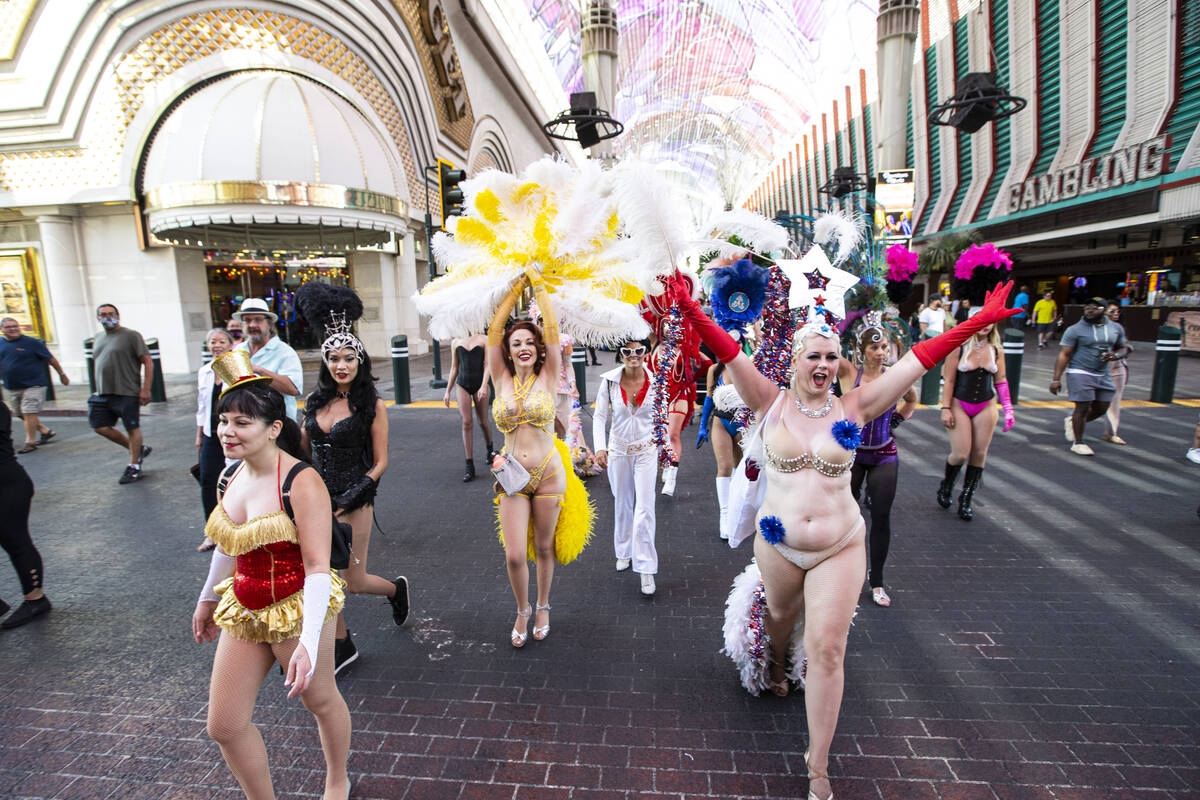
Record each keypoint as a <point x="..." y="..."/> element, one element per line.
<point x="566" y="222"/>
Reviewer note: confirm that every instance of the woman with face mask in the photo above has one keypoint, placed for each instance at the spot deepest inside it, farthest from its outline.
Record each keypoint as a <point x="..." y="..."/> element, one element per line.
<point x="809" y="550"/>
<point x="548" y="516"/>
<point x="346" y="431"/>
<point x="270" y="596"/>
<point x="627" y="395"/>
<point x="208" y="448"/>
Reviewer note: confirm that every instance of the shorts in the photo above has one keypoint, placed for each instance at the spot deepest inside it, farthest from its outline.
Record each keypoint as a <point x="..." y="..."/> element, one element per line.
<point x="105" y="409"/>
<point x="1045" y="327"/>
<point x="1084" y="387"/>
<point x="29" y="400"/>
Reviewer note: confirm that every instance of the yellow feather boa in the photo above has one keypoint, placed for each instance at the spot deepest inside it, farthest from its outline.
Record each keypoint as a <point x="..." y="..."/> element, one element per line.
<point x="575" y="519"/>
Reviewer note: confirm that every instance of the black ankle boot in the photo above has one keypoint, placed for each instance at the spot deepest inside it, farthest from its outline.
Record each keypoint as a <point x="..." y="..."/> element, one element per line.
<point x="946" y="487"/>
<point x="970" y="484"/>
<point x="469" y="475"/>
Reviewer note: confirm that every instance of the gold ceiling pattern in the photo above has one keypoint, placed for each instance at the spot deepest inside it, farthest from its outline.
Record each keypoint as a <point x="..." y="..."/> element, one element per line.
<point x="14" y="16"/>
<point x="121" y="93"/>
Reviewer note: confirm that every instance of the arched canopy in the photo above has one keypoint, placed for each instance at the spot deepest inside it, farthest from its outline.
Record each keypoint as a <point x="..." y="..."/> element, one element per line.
<point x="262" y="159"/>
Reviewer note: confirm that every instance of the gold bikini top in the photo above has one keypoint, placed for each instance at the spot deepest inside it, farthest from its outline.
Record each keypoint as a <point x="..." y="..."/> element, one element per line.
<point x="829" y="469"/>
<point x="525" y="407"/>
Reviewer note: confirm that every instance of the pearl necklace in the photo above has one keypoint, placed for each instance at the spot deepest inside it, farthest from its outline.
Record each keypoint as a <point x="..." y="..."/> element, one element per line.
<point x="811" y="414"/>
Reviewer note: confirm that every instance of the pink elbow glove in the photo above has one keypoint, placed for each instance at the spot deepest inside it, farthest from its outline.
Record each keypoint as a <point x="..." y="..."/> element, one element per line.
<point x="1006" y="403"/>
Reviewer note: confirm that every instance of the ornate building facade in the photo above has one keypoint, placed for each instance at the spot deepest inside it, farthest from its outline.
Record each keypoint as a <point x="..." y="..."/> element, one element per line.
<point x="175" y="157"/>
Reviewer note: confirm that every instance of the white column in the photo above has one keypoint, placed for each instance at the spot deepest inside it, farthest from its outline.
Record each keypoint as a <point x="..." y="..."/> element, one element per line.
<point x="74" y="318"/>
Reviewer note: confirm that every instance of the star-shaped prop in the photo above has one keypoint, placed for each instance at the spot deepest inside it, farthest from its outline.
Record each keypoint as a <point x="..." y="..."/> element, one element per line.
<point x="816" y="282"/>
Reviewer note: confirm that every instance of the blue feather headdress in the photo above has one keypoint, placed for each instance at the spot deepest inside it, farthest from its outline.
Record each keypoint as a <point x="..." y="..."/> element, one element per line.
<point x="738" y="294"/>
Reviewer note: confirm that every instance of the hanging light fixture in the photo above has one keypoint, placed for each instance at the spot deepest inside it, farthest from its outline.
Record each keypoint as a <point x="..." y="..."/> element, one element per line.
<point x="977" y="101"/>
<point x="844" y="181"/>
<point x="583" y="122"/>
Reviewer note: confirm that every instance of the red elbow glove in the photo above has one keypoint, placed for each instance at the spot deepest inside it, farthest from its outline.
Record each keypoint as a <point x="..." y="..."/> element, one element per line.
<point x="931" y="351"/>
<point x="721" y="343"/>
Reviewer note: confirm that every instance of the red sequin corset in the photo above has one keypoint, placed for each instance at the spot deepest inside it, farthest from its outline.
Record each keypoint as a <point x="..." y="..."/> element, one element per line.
<point x="268" y="574"/>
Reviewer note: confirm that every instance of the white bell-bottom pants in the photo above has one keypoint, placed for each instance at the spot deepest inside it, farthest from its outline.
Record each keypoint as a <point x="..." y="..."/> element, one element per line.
<point x="632" y="478"/>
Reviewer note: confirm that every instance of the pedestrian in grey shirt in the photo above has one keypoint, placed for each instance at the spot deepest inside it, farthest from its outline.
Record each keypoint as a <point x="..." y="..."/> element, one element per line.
<point x="123" y="374"/>
<point x="1084" y="352"/>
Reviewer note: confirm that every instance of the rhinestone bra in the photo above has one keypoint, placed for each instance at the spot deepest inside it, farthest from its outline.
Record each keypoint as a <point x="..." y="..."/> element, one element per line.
<point x="806" y="461"/>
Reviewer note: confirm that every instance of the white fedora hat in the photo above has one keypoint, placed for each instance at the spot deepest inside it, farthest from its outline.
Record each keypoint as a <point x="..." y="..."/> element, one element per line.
<point x="255" y="305"/>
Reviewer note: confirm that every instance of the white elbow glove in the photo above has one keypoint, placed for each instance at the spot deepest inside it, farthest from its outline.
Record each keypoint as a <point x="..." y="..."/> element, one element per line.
<point x="219" y="568"/>
<point x="317" y="588"/>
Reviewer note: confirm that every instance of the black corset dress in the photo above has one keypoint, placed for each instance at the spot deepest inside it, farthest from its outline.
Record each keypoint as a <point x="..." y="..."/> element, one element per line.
<point x="343" y="455"/>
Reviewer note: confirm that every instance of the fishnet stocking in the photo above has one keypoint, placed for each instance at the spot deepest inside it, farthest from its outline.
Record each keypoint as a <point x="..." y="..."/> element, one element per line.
<point x="239" y="669"/>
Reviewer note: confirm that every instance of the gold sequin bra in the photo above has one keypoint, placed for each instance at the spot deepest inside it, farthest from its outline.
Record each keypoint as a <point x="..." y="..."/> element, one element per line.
<point x="807" y="461"/>
<point x="534" y="408"/>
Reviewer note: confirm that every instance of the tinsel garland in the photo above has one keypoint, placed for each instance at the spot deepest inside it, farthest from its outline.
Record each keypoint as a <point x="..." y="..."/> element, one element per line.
<point x="774" y="355"/>
<point x="670" y="338"/>
<point x="760" y="641"/>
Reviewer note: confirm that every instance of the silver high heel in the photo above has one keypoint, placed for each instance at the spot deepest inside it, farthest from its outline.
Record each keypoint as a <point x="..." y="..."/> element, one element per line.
<point x="814" y="775"/>
<point x="542" y="631"/>
<point x="518" y="639"/>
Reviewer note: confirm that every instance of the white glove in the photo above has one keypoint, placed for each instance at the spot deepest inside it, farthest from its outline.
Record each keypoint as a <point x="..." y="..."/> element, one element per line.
<point x="219" y="568"/>
<point x="318" y="586"/>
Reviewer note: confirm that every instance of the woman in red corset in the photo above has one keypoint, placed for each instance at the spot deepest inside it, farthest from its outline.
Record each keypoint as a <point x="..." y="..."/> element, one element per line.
<point x="270" y="595"/>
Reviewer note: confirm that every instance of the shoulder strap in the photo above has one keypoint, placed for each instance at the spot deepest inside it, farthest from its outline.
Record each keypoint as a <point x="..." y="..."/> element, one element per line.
<point x="226" y="476"/>
<point x="285" y="490"/>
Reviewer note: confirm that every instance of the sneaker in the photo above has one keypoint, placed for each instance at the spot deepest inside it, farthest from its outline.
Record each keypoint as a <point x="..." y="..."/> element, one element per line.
<point x="399" y="601"/>
<point x="1069" y="430"/>
<point x="1193" y="455"/>
<point x="1113" y="439"/>
<point x="146" y="450"/>
<point x="648" y="586"/>
<point x="623" y="564"/>
<point x="130" y="475"/>
<point x="344" y="653"/>
<point x="1081" y="449"/>
<point x="27" y="612"/>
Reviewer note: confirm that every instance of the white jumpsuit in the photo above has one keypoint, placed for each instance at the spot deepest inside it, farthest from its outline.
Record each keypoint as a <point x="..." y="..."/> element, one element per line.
<point x="632" y="467"/>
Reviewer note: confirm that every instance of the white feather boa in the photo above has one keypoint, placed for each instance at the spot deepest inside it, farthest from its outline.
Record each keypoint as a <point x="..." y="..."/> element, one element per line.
<point x="726" y="398"/>
<point x="741" y="636"/>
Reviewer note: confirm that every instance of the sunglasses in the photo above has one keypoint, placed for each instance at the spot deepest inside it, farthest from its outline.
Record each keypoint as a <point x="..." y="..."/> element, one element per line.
<point x="627" y="352"/>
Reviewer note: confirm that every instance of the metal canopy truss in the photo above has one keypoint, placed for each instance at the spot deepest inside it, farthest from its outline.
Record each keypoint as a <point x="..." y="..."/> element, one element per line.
<point x="716" y="90"/>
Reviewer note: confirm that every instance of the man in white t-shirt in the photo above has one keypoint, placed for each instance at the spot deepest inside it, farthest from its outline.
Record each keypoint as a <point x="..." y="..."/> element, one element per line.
<point x="932" y="319"/>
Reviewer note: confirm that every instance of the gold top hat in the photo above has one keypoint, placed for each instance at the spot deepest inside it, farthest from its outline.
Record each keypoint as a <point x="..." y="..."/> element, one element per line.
<point x="233" y="369"/>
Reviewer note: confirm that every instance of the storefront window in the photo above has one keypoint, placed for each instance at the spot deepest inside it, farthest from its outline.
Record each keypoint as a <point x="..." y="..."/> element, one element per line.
<point x="232" y="277"/>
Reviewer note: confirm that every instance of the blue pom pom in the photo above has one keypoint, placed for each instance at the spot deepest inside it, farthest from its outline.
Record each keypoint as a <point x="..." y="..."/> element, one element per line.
<point x="772" y="529"/>
<point x="847" y="434"/>
<point x="739" y="292"/>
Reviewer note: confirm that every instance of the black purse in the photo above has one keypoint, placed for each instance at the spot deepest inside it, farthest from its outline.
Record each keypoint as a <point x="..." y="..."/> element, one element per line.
<point x="342" y="535"/>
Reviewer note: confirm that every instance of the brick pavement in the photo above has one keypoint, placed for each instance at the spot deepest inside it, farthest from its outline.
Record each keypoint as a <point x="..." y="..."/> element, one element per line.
<point x="1049" y="649"/>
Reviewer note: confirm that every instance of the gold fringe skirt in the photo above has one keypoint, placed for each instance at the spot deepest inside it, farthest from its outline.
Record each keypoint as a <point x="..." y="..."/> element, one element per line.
<point x="275" y="623"/>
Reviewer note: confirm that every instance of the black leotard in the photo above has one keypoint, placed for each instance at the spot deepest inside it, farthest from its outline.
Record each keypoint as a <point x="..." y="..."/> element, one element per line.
<point x="470" y="368"/>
